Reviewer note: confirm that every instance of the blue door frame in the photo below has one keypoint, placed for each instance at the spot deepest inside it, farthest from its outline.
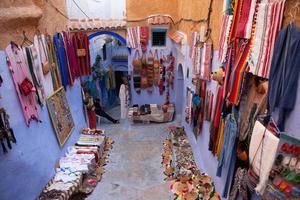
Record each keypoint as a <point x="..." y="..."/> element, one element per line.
<point x="115" y="35"/>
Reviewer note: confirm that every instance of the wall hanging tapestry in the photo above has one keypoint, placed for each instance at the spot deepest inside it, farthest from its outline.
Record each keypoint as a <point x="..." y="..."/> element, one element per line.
<point x="81" y="44"/>
<point x="22" y="80"/>
<point x="144" y="38"/>
<point x="133" y="37"/>
<point x="60" y="114"/>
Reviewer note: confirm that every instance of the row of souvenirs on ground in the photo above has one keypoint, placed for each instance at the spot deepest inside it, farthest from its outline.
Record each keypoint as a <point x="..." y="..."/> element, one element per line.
<point x="79" y="171"/>
<point x="187" y="182"/>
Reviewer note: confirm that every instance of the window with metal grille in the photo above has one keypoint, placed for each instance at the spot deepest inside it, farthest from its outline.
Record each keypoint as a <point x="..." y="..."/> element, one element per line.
<point x="159" y="36"/>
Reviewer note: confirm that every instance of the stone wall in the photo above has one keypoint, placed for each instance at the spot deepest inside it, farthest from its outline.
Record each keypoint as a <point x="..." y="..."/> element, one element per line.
<point x="29" y="16"/>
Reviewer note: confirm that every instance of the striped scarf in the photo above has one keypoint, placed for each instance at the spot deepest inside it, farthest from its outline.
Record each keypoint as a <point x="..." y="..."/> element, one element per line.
<point x="133" y="37"/>
<point x="269" y="19"/>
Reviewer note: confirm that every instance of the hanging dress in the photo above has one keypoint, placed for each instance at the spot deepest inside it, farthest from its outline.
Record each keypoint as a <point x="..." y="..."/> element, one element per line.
<point x="71" y="53"/>
<point x="42" y="59"/>
<point x="61" y="58"/>
<point x="81" y="44"/>
<point x="19" y="71"/>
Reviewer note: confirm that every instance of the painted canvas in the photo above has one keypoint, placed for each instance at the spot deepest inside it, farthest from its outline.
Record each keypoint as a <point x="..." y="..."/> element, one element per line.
<point x="60" y="115"/>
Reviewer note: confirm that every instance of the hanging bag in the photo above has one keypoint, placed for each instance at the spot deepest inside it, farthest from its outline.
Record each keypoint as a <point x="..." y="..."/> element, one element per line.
<point x="137" y="65"/>
<point x="156" y="69"/>
<point x="144" y="81"/>
<point x="150" y="72"/>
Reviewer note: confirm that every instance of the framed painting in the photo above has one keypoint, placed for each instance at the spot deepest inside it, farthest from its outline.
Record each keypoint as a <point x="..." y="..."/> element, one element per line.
<point x="60" y="115"/>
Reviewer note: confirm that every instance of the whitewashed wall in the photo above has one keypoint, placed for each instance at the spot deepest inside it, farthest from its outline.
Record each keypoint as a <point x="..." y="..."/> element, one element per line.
<point x="103" y="9"/>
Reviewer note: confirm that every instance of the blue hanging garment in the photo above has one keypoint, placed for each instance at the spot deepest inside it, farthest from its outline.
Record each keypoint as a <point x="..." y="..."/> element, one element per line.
<point x="61" y="58"/>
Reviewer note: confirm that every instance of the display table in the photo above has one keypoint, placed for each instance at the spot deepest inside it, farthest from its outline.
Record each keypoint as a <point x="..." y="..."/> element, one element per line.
<point x="154" y="114"/>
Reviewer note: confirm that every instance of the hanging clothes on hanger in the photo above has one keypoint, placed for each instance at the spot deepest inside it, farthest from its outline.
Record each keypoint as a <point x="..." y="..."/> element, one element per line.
<point x="71" y="53"/>
<point x="61" y="58"/>
<point x="162" y="73"/>
<point x="284" y="74"/>
<point x="81" y="44"/>
<point x="23" y="83"/>
<point x="228" y="153"/>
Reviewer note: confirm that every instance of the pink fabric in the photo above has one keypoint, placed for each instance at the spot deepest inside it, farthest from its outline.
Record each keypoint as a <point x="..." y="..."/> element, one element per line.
<point x="19" y="71"/>
<point x="74" y="67"/>
<point x="206" y="61"/>
<point x="244" y="17"/>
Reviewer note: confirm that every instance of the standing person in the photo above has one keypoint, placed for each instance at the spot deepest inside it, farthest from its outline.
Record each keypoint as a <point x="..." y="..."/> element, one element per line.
<point x="99" y="111"/>
<point x="89" y="102"/>
<point x="124" y="98"/>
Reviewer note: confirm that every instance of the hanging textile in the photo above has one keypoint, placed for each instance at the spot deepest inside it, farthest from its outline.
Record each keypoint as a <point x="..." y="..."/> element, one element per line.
<point x="81" y="44"/>
<point x="71" y="54"/>
<point x="137" y="68"/>
<point x="197" y="62"/>
<point x="156" y="68"/>
<point x="214" y="126"/>
<point x="228" y="153"/>
<point x="6" y="132"/>
<point x="150" y="71"/>
<point x="224" y="36"/>
<point x="61" y="58"/>
<point x="262" y="152"/>
<point x="206" y="60"/>
<point x="55" y="74"/>
<point x="269" y="18"/>
<point x="193" y="42"/>
<point x="22" y="80"/>
<point x="133" y="37"/>
<point x="144" y="38"/>
<point x="239" y="65"/>
<point x="208" y="104"/>
<point x="36" y="72"/>
<point x="244" y="25"/>
<point x="284" y="74"/>
<point x="188" y="107"/>
<point x="41" y="50"/>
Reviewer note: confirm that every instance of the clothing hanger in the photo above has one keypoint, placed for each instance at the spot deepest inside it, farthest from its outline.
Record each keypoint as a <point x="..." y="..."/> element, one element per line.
<point x="26" y="41"/>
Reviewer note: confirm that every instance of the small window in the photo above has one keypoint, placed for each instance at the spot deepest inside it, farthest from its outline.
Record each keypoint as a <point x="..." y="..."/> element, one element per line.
<point x="159" y="37"/>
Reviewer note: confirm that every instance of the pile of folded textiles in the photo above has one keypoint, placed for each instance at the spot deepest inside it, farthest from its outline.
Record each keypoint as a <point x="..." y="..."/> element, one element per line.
<point x="79" y="171"/>
<point x="152" y="113"/>
<point x="187" y="182"/>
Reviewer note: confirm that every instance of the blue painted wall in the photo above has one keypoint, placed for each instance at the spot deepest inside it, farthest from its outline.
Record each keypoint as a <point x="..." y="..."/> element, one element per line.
<point x="27" y="168"/>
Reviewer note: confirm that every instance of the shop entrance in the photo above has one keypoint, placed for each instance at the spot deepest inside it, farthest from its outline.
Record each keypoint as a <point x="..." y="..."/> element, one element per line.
<point x="109" y="58"/>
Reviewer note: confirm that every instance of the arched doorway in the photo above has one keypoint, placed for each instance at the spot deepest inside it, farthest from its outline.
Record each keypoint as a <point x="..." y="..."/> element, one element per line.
<point x="179" y="90"/>
<point x="111" y="48"/>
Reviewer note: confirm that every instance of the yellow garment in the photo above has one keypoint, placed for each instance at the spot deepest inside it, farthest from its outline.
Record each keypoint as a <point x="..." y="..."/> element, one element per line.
<point x="220" y="138"/>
